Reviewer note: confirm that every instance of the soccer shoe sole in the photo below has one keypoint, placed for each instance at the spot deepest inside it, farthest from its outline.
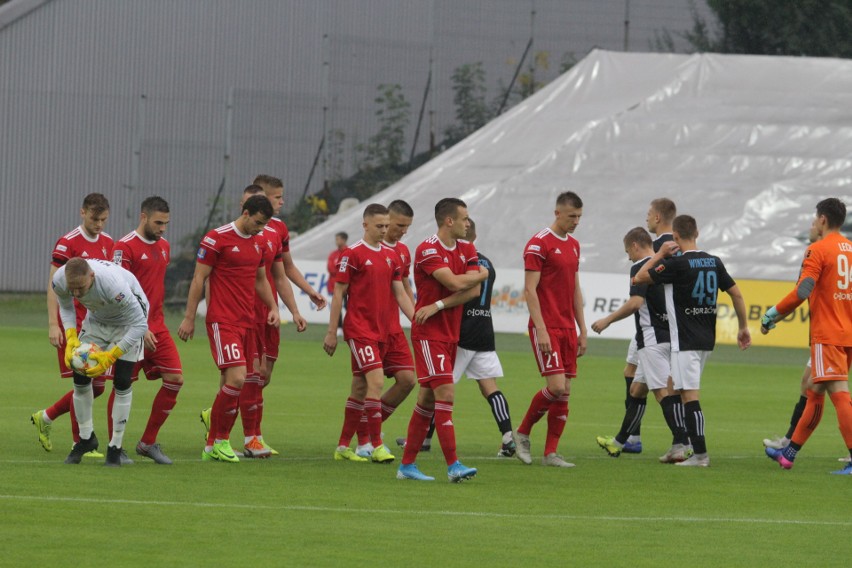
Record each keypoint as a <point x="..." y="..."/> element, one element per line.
<point x="522" y="452"/>
<point x="602" y="442"/>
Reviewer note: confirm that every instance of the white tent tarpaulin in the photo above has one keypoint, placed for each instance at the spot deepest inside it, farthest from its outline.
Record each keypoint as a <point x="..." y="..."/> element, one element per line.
<point x="746" y="144"/>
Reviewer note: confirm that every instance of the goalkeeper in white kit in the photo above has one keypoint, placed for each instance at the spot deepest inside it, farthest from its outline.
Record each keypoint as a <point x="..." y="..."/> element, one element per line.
<point x="116" y="321"/>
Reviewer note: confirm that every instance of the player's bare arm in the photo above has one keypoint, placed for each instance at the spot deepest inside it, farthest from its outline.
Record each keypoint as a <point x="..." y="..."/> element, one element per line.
<point x="285" y="291"/>
<point x="458" y="297"/>
<point x="329" y="344"/>
<point x="531" y="281"/>
<point x="668" y="249"/>
<point x="407" y="285"/>
<point x="459" y="282"/>
<point x="296" y="277"/>
<point x="196" y="291"/>
<point x="403" y="299"/>
<point x="743" y="334"/>
<point x="627" y="309"/>
<point x="54" y="332"/>
<point x="580" y="317"/>
<point x="264" y="292"/>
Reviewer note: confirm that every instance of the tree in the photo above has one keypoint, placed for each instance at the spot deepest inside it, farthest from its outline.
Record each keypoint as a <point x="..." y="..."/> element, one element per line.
<point x="385" y="148"/>
<point x="472" y="111"/>
<point x="817" y="28"/>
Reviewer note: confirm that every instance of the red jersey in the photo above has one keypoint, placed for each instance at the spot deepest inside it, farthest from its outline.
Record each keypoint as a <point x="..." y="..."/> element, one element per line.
<point x="403" y="256"/>
<point x="78" y="243"/>
<point x="429" y="257"/>
<point x="369" y="272"/>
<point x="557" y="259"/>
<point x="280" y="228"/>
<point x="147" y="261"/>
<point x="271" y="245"/>
<point x="235" y="258"/>
<point x="331" y="265"/>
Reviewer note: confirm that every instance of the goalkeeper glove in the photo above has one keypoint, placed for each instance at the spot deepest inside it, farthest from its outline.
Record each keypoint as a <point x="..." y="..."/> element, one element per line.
<point x="105" y="360"/>
<point x="71" y="343"/>
<point x="767" y="322"/>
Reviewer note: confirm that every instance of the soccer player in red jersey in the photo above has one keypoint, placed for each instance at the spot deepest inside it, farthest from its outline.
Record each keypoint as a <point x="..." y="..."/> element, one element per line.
<point x="557" y="326"/>
<point x="396" y="358"/>
<point x="267" y="338"/>
<point x="446" y="274"/>
<point x="368" y="273"/>
<point x="274" y="189"/>
<point x="232" y="258"/>
<point x="86" y="241"/>
<point x="826" y="283"/>
<point x="331" y="265"/>
<point x="146" y="254"/>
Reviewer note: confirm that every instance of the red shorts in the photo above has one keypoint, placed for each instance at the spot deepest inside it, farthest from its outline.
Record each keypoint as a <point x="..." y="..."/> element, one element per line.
<point x="271" y="341"/>
<point x="830" y="362"/>
<point x="397" y="354"/>
<point x="562" y="360"/>
<point x="230" y="345"/>
<point x="434" y="361"/>
<point x="366" y="355"/>
<point x="164" y="360"/>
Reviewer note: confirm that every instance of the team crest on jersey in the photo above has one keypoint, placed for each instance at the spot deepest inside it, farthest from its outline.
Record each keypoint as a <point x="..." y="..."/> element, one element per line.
<point x="344" y="262"/>
<point x="534" y="248"/>
<point x="104" y="251"/>
<point x="427" y="252"/>
<point x="117" y="255"/>
<point x="257" y="248"/>
<point x="660" y="268"/>
<point x="61" y="248"/>
<point x="463" y="259"/>
<point x="119" y="298"/>
<point x="388" y="260"/>
<point x="164" y="255"/>
<point x="269" y="244"/>
<point x="202" y="252"/>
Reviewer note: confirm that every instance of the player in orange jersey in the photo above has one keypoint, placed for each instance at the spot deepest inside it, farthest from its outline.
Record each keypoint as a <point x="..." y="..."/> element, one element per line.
<point x="826" y="282"/>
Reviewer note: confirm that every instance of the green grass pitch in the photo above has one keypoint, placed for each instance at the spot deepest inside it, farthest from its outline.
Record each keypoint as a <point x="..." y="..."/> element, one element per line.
<point x="304" y="509"/>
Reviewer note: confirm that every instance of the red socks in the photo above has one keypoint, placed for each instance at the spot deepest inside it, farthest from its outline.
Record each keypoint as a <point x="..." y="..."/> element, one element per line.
<point x="162" y="406"/>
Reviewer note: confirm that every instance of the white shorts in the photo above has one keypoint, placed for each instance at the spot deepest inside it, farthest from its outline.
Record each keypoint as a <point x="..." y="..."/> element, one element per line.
<point x="477" y="365"/>
<point x="654" y="367"/>
<point x="106" y="336"/>
<point x="687" y="367"/>
<point x="632" y="357"/>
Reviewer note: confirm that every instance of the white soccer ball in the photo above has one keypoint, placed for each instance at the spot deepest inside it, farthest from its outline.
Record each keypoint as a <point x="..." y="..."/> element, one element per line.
<point x="80" y="360"/>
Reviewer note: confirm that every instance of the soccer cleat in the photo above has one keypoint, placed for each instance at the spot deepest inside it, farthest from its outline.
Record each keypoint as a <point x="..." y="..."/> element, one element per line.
<point x="154" y="452"/>
<point x="223" y="451"/>
<point x="205" y="421"/>
<point x="458" y="472"/>
<point x="43" y="430"/>
<point x="255" y="449"/>
<point x="346" y="453"/>
<point x="778" y="455"/>
<point x="410" y="471"/>
<point x="80" y="449"/>
<point x="208" y="456"/>
<point x="847" y="470"/>
<point x="93" y="455"/>
<point x="400" y="442"/>
<point x="776" y="443"/>
<point x="125" y="459"/>
<point x="676" y="454"/>
<point x="696" y="461"/>
<point x="632" y="448"/>
<point x="555" y="460"/>
<point x="113" y="457"/>
<point x="846" y="459"/>
<point x="382" y="455"/>
<point x="427" y="444"/>
<point x="272" y="451"/>
<point x="365" y="451"/>
<point x="507" y="450"/>
<point x="609" y="443"/>
<point x="522" y="447"/>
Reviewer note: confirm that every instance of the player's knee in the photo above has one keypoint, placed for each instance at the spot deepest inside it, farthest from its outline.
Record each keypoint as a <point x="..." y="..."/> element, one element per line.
<point x="123" y="375"/>
<point x="81" y="380"/>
